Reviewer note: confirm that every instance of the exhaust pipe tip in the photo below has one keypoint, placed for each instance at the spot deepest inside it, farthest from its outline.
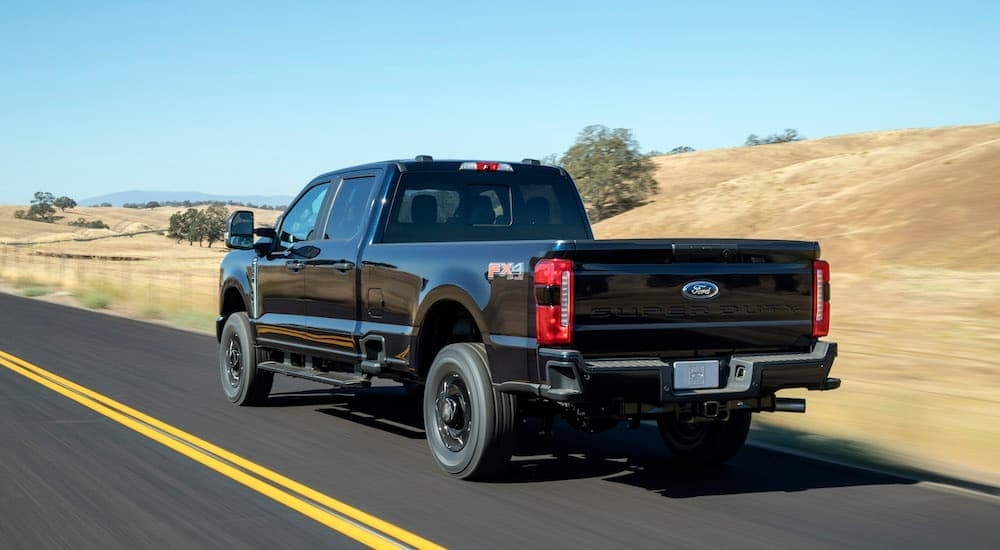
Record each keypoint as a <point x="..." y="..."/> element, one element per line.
<point x="789" y="404"/>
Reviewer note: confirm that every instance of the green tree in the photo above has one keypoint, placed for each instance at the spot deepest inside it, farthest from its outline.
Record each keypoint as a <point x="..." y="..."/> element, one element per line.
<point x="790" y="134"/>
<point x="176" y="228"/>
<point x="186" y="226"/>
<point x="64" y="202"/>
<point x="191" y="220"/>
<point x="214" y="220"/>
<point x="680" y="149"/>
<point x="611" y="173"/>
<point x="41" y="207"/>
<point x="198" y="226"/>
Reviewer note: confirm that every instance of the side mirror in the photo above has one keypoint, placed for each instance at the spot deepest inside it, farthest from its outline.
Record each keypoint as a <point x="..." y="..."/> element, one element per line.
<point x="265" y="244"/>
<point x="239" y="230"/>
<point x="308" y="252"/>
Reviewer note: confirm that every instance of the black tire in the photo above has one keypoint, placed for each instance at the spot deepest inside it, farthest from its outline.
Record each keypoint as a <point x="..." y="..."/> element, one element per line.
<point x="470" y="426"/>
<point x="242" y="383"/>
<point x="705" y="442"/>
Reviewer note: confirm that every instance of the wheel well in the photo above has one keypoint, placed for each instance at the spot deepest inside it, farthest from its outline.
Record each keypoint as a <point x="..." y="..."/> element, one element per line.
<point x="447" y="322"/>
<point x="232" y="302"/>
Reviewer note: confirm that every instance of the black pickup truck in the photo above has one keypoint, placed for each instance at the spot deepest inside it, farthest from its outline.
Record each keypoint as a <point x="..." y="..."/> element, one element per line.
<point x="481" y="284"/>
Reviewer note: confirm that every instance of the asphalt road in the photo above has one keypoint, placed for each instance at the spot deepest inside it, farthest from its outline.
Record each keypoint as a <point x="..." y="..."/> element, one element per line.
<point x="73" y="478"/>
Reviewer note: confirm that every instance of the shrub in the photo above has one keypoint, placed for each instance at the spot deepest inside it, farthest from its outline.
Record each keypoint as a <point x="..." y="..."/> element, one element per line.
<point x="96" y="300"/>
<point x="152" y="312"/>
<point x="32" y="291"/>
<point x="95" y="224"/>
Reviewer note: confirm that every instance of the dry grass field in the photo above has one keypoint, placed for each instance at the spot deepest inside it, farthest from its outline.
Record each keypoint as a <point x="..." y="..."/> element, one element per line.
<point x="142" y="275"/>
<point x="908" y="219"/>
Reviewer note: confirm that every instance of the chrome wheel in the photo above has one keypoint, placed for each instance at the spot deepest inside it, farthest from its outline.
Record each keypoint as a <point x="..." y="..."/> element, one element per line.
<point x="453" y="412"/>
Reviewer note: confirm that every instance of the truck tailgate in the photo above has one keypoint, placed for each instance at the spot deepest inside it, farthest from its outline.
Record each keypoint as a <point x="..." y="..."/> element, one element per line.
<point x="684" y="298"/>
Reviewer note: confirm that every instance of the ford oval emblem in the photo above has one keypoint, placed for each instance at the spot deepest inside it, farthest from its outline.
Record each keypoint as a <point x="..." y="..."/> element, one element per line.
<point x="700" y="290"/>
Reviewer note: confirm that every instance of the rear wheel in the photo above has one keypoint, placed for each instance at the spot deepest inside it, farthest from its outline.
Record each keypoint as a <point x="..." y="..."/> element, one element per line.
<point x="242" y="383"/>
<point x="705" y="442"/>
<point x="470" y="426"/>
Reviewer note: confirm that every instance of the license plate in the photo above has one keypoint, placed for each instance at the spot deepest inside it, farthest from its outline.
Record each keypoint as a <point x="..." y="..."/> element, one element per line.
<point x="695" y="375"/>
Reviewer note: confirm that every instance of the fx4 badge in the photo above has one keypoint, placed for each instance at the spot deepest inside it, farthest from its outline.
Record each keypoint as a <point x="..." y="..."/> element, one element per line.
<point x="512" y="271"/>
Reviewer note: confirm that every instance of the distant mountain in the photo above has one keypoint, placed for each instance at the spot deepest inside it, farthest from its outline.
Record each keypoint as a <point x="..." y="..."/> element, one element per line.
<point x="143" y="197"/>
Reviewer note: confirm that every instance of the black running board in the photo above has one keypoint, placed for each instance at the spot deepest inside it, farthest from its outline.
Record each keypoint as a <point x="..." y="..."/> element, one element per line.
<point x="340" y="379"/>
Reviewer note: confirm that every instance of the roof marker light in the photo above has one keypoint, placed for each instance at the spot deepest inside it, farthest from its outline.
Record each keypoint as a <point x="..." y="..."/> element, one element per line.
<point x="480" y="166"/>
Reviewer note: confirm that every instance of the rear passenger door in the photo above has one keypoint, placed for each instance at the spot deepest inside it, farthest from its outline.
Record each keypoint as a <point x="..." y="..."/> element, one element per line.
<point x="331" y="280"/>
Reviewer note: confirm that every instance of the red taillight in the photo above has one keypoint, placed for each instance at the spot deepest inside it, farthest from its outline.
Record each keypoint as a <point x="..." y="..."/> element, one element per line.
<point x="554" y="302"/>
<point x="821" y="298"/>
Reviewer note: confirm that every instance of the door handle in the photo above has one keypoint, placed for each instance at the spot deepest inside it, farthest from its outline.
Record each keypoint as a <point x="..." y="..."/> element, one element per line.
<point x="343" y="267"/>
<point x="294" y="265"/>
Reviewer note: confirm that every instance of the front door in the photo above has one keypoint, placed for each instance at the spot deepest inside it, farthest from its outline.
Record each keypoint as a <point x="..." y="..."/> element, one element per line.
<point x="281" y="283"/>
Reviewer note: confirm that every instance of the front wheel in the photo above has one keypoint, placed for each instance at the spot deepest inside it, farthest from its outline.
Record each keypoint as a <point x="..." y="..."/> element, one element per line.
<point x="242" y="383"/>
<point x="470" y="426"/>
<point x="705" y="442"/>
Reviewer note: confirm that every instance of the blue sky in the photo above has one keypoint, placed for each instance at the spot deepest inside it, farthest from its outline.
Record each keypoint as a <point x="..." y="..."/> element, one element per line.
<point x="257" y="97"/>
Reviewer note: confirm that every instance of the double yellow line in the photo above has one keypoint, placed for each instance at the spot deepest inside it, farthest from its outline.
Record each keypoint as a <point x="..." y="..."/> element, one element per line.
<point x="356" y="524"/>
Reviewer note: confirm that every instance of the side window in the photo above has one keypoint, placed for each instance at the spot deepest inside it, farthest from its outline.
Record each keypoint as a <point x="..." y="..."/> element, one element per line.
<point x="298" y="222"/>
<point x="351" y="206"/>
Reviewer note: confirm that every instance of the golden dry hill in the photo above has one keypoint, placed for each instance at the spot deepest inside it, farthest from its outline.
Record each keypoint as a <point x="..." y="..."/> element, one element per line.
<point x="146" y="223"/>
<point x="925" y="197"/>
<point x="910" y="221"/>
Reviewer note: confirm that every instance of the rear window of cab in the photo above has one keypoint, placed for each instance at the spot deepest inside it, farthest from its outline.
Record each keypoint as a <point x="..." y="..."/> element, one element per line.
<point x="431" y="206"/>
